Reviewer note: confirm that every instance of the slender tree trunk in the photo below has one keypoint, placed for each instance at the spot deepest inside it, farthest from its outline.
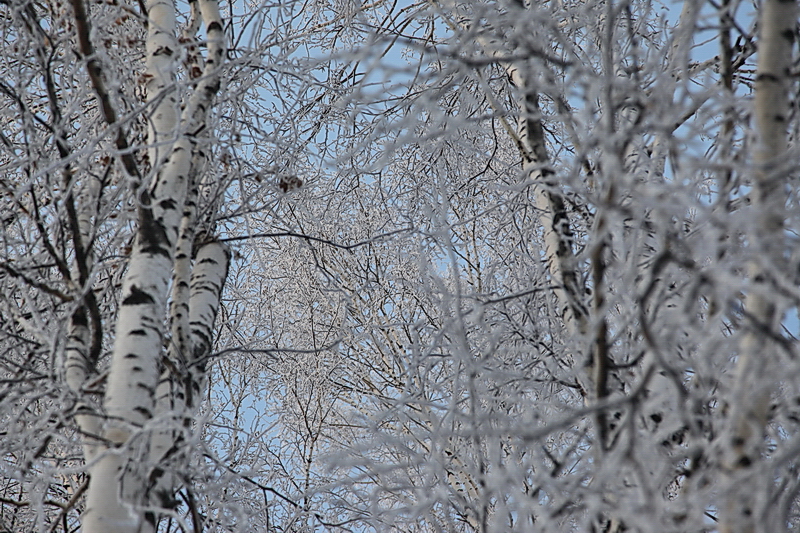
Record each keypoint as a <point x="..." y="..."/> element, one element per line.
<point x="84" y="337"/>
<point x="552" y="211"/>
<point x="547" y="199"/>
<point x="161" y="49"/>
<point x="756" y="368"/>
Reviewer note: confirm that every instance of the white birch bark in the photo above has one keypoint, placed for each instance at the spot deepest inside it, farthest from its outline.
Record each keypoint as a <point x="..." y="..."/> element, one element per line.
<point x="755" y="368"/>
<point x="549" y="204"/>
<point x="134" y="370"/>
<point x="161" y="48"/>
<point x="554" y="219"/>
<point x="79" y="360"/>
<point x="195" y="301"/>
<point x="169" y="396"/>
<point x="208" y="278"/>
<point x="118" y="488"/>
<point x="184" y="379"/>
<point x="529" y="137"/>
<point x="76" y="372"/>
<point x="170" y="404"/>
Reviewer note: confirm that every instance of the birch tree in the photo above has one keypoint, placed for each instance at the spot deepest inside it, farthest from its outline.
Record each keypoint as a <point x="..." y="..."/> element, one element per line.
<point x="763" y="312"/>
<point x="499" y="371"/>
<point x="496" y="265"/>
<point x="154" y="381"/>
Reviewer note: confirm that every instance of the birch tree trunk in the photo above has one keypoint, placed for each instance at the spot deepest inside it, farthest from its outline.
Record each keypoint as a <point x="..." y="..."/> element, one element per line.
<point x="755" y="372"/>
<point x="541" y="288"/>
<point x="547" y="199"/>
<point x="117" y="498"/>
<point x="547" y="195"/>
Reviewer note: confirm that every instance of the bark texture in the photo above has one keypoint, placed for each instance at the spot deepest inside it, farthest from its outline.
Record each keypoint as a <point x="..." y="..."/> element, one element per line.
<point x="129" y="483"/>
<point x="742" y="513"/>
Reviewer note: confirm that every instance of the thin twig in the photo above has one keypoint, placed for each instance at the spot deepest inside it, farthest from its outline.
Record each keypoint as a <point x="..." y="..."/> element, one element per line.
<point x="69" y="505"/>
<point x="316" y="239"/>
